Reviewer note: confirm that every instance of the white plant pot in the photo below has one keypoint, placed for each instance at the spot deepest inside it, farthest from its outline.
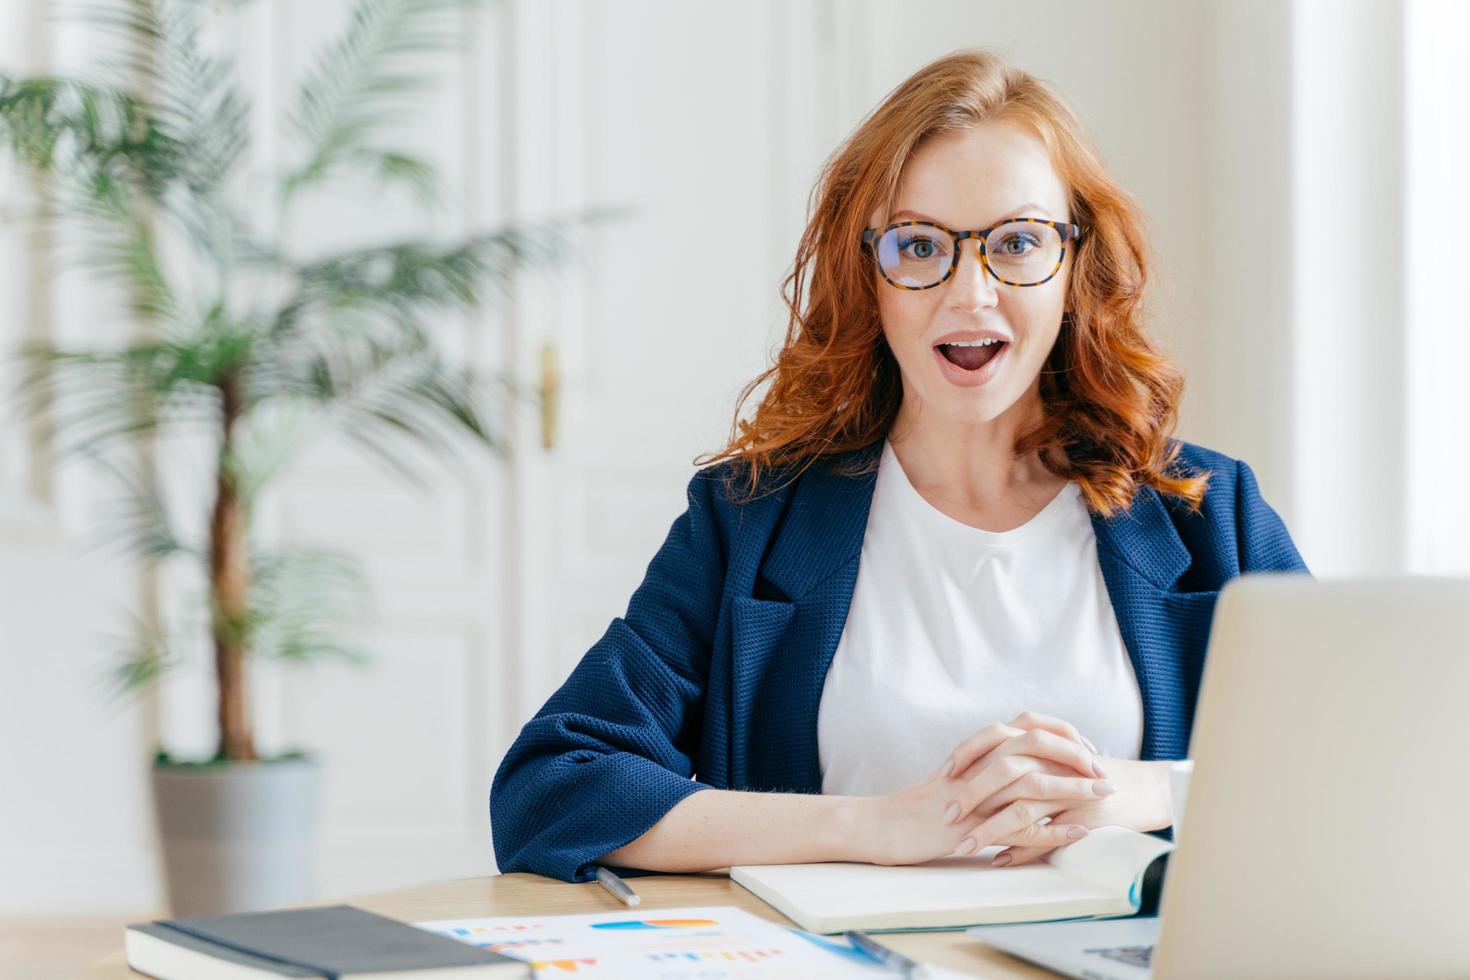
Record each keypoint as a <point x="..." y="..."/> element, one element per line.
<point x="238" y="836"/>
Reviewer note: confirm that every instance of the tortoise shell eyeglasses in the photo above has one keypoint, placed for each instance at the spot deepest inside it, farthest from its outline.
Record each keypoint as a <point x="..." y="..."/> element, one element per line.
<point x="1017" y="251"/>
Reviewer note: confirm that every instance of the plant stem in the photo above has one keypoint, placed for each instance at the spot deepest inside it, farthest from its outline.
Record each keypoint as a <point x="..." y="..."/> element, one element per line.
<point x="229" y="585"/>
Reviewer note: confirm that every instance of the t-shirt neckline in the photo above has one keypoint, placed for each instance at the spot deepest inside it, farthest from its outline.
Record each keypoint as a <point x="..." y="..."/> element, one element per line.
<point x="916" y="503"/>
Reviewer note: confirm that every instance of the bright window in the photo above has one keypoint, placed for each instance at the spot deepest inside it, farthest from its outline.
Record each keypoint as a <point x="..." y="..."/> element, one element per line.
<point x="1437" y="274"/>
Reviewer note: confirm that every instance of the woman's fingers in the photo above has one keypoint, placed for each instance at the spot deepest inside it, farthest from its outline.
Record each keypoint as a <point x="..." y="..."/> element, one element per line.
<point x="1012" y="777"/>
<point x="972" y="749"/>
<point x="1019" y="825"/>
<point x="1040" y="786"/>
<point x="1019" y="855"/>
<point x="1014" y="857"/>
<point x="976" y="746"/>
<point x="1043" y="744"/>
<point x="1035" y="719"/>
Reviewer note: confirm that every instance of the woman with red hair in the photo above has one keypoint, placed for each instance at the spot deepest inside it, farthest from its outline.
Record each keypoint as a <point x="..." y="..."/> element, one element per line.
<point x="955" y="535"/>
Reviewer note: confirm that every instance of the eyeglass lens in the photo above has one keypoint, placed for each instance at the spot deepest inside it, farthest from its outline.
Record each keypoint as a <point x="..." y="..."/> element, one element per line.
<point x="1020" y="253"/>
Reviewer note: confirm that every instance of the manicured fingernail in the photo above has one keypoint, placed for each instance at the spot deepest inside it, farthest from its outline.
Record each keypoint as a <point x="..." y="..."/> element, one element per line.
<point x="951" y="812"/>
<point x="948" y="767"/>
<point x="966" y="846"/>
<point x="1001" y="860"/>
<point x="1088" y="742"/>
<point x="1102" y="787"/>
<point x="1097" y="770"/>
<point x="1077" y="833"/>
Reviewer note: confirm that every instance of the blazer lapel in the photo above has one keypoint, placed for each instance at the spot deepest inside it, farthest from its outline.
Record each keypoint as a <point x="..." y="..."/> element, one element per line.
<point x="824" y="525"/>
<point x="784" y="637"/>
<point x="1142" y="558"/>
<point x="1144" y="538"/>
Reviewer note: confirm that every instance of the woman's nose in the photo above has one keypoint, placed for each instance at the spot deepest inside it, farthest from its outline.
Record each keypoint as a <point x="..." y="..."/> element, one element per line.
<point x="971" y="284"/>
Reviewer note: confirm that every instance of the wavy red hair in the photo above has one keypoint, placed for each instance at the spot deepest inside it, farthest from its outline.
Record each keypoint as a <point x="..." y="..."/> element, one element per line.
<point x="1110" y="398"/>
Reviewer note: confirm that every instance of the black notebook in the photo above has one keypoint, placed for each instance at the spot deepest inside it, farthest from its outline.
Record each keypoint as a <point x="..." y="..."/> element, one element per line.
<point x="332" y="941"/>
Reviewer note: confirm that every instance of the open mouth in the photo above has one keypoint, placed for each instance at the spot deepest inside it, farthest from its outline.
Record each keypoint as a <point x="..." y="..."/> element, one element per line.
<point x="971" y="358"/>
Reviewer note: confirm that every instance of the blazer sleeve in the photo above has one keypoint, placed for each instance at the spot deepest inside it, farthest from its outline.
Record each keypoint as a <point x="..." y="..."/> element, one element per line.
<point x="612" y="750"/>
<point x="1264" y="544"/>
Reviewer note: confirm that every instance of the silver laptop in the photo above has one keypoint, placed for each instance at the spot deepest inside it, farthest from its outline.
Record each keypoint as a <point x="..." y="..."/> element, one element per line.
<point x="1328" y="826"/>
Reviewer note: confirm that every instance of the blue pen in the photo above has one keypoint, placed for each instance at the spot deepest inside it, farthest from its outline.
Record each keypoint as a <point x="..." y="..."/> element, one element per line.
<point x="890" y="958"/>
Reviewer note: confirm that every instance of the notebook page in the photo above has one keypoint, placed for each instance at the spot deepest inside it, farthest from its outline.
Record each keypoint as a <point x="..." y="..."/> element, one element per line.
<point x="1110" y="858"/>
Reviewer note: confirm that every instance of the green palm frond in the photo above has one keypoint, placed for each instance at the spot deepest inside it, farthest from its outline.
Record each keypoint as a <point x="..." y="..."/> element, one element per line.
<point x="141" y="660"/>
<point x="192" y="95"/>
<point x="390" y="166"/>
<point x="121" y="247"/>
<point x="104" y="152"/>
<point x="101" y="152"/>
<point x="408" y="277"/>
<point x="379" y="381"/>
<point x="195" y="105"/>
<point x="365" y="82"/>
<point x="267" y="440"/>
<point x="93" y="398"/>
<point x="139" y="523"/>
<point x="88" y="399"/>
<point x="77" y="130"/>
<point x="301" y="601"/>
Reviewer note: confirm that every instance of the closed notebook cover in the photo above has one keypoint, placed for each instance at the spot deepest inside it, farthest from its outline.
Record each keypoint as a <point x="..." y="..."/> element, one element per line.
<point x="209" y="948"/>
<point x="334" y="940"/>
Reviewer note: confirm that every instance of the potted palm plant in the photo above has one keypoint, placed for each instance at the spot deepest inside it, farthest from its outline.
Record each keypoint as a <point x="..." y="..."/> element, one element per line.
<point x="236" y="341"/>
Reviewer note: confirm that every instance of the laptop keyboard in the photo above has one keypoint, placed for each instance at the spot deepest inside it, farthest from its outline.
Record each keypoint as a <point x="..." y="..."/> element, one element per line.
<point x="1132" y="955"/>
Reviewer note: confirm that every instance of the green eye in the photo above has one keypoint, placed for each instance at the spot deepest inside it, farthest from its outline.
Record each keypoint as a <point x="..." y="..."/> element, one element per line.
<point x="1023" y="240"/>
<point x="921" y="247"/>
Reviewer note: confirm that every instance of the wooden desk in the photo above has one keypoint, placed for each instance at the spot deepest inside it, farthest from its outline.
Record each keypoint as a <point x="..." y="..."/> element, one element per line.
<point x="515" y="894"/>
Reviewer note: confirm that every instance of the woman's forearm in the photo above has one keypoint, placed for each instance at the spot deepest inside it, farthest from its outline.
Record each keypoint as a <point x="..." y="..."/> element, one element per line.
<point x="717" y="828"/>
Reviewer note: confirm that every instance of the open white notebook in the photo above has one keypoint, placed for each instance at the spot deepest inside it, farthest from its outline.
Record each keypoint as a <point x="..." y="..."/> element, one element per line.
<point x="1097" y="877"/>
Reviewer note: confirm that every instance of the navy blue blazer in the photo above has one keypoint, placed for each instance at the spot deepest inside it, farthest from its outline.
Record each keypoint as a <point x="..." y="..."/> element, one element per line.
<point x="713" y="677"/>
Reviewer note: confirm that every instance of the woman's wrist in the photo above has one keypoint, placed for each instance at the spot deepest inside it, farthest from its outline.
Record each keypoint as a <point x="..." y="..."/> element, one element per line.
<point x="859" y="829"/>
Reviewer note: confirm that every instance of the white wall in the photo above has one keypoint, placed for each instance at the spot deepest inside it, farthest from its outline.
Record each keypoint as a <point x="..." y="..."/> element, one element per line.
<point x="1349" y="404"/>
<point x="1198" y="108"/>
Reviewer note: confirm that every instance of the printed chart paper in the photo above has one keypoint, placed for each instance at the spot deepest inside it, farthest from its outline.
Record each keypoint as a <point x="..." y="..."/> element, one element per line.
<point x="711" y="943"/>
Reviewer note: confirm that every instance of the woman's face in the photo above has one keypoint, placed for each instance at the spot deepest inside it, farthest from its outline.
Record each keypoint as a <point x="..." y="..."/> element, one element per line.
<point x="964" y="181"/>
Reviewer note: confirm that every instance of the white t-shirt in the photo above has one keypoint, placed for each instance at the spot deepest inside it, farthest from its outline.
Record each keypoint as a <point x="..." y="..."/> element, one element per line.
<point x="952" y="627"/>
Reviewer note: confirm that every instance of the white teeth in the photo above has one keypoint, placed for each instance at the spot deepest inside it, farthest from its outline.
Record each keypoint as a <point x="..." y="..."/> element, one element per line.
<point x="973" y="343"/>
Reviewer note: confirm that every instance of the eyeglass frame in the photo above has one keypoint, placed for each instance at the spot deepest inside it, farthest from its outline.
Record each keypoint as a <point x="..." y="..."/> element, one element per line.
<point x="1069" y="231"/>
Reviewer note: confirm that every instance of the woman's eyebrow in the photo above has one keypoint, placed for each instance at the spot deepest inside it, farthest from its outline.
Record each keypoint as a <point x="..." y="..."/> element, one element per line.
<point x="1015" y="212"/>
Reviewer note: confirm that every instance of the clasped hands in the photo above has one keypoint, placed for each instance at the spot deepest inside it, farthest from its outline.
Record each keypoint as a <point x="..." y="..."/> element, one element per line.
<point x="1000" y="786"/>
